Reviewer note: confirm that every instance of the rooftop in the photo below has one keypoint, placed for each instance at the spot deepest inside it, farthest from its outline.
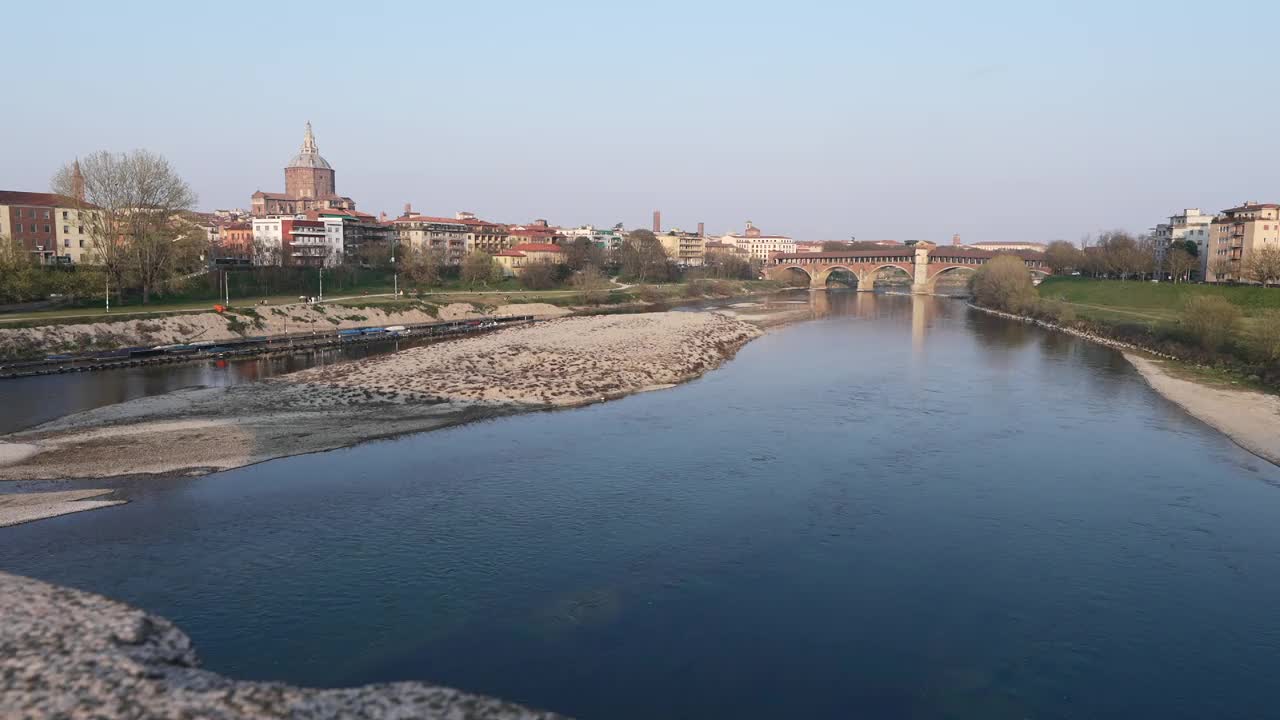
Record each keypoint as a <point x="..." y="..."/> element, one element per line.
<point x="17" y="197"/>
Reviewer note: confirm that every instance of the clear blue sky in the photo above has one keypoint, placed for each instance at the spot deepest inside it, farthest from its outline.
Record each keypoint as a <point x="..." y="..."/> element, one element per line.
<point x="998" y="120"/>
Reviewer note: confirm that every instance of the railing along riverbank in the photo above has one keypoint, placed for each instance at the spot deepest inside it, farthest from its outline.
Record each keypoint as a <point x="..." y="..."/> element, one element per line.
<point x="253" y="346"/>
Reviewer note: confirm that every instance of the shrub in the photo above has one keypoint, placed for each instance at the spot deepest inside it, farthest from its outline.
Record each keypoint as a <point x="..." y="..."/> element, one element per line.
<point x="591" y="285"/>
<point x="1004" y="283"/>
<point x="1210" y="320"/>
<point x="1264" y="338"/>
<point x="650" y="294"/>
<point x="697" y="288"/>
<point x="540" y="275"/>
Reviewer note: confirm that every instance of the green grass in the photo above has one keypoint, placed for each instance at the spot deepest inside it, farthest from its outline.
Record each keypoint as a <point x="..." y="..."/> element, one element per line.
<point x="1156" y="306"/>
<point x="1157" y="297"/>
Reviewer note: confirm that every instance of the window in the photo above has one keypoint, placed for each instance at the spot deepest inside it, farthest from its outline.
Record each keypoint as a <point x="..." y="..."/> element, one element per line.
<point x="46" y="227"/>
<point x="64" y="214"/>
<point x="66" y="230"/>
<point x="80" y="229"/>
<point x="17" y="228"/>
<point x="66" y="243"/>
<point x="46" y="214"/>
<point x="81" y="242"/>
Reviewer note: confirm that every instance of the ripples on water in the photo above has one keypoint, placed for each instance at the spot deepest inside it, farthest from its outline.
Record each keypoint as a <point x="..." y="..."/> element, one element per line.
<point x="904" y="509"/>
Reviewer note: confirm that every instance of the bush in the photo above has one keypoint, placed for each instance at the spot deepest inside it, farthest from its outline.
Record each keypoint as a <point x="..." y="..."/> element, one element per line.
<point x="1264" y="338"/>
<point x="1210" y="321"/>
<point x="591" y="284"/>
<point x="650" y="294"/>
<point x="540" y="275"/>
<point x="1004" y="283"/>
<point x="697" y="288"/>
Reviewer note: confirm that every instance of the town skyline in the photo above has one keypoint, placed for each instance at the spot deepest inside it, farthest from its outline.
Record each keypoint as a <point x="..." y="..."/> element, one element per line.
<point x="941" y="122"/>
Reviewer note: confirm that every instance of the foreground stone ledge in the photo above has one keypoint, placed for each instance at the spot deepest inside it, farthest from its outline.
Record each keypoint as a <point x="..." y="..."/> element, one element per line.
<point x="71" y="654"/>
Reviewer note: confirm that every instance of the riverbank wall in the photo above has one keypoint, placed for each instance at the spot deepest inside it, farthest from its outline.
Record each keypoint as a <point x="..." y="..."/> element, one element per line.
<point x="69" y="653"/>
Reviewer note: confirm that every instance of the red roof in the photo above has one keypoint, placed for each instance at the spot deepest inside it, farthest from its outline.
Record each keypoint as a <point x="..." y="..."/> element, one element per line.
<point x="509" y="253"/>
<point x="17" y="197"/>
<point x="537" y="247"/>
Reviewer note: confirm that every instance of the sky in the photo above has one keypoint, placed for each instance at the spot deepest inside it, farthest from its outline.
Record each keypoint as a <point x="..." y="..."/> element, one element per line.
<point x="1000" y="121"/>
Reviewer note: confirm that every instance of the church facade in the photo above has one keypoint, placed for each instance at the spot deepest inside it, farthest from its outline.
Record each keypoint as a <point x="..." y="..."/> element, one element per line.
<point x="308" y="185"/>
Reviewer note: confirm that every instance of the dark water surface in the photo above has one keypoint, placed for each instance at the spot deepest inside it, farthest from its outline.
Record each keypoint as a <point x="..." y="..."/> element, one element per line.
<point x="33" y="400"/>
<point x="906" y="509"/>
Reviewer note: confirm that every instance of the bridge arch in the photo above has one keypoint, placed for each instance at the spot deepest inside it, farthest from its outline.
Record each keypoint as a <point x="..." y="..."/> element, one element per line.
<point x="950" y="271"/>
<point x="825" y="278"/>
<point x="872" y="274"/>
<point x="792" y="274"/>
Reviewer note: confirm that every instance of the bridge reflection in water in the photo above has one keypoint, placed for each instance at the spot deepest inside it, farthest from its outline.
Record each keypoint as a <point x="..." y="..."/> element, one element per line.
<point x="924" y="309"/>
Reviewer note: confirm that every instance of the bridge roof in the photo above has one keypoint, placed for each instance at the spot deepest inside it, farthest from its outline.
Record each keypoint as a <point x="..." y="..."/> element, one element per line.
<point x="900" y="251"/>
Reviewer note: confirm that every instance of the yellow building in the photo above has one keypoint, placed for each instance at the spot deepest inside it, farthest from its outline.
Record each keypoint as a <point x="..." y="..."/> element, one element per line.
<point x="685" y="248"/>
<point x="50" y="226"/>
<point x="1237" y="233"/>
<point x="515" y="259"/>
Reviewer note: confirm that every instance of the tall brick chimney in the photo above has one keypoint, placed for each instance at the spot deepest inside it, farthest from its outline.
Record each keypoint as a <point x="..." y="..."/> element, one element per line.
<point x="408" y="209"/>
<point x="702" y="230"/>
<point x="955" y="239"/>
<point x="657" y="221"/>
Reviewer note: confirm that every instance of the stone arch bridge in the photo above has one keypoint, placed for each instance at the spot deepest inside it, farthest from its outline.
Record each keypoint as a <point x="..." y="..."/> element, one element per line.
<point x="923" y="262"/>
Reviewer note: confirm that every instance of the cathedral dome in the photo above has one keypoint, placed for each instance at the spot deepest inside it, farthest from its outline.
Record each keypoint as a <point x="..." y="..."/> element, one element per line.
<point x="309" y="157"/>
<point x="309" y="160"/>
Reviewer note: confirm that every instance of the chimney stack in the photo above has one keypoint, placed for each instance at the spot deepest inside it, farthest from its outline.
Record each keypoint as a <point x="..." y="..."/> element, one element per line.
<point x="955" y="239"/>
<point x="657" y="221"/>
<point x="702" y="230"/>
<point x="408" y="209"/>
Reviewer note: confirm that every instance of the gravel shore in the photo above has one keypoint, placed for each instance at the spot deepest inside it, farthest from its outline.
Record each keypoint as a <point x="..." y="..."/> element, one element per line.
<point x="73" y="654"/>
<point x="557" y="363"/>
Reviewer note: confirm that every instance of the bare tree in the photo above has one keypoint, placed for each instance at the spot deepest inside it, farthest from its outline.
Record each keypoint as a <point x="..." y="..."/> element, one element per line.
<point x="1222" y="268"/>
<point x="539" y="275"/>
<point x="1179" y="264"/>
<point x="582" y="252"/>
<point x="421" y="265"/>
<point x="133" y="206"/>
<point x="1263" y="265"/>
<point x="591" y="284"/>
<point x="1063" y="257"/>
<point x="643" y="259"/>
<point x="479" y="267"/>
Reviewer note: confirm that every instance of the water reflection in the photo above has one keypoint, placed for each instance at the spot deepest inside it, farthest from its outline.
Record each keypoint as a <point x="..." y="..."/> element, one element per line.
<point x="34" y="400"/>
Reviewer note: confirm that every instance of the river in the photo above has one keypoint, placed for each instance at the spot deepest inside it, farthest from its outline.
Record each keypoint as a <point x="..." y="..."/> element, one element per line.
<point x="902" y="509"/>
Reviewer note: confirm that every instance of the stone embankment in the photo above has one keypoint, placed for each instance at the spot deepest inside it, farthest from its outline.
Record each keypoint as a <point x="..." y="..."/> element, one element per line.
<point x="71" y="654"/>
<point x="236" y="324"/>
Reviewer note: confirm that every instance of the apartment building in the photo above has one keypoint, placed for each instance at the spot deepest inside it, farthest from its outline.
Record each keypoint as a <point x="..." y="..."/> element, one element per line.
<point x="1236" y="233"/>
<point x="53" y="228"/>
<point x="687" y="249"/>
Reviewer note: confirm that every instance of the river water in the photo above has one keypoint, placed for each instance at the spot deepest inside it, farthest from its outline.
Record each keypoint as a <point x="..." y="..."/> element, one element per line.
<point x="902" y="509"/>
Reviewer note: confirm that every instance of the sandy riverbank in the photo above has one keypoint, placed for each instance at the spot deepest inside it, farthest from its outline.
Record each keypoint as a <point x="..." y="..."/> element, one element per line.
<point x="1251" y="419"/>
<point x="558" y="363"/>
